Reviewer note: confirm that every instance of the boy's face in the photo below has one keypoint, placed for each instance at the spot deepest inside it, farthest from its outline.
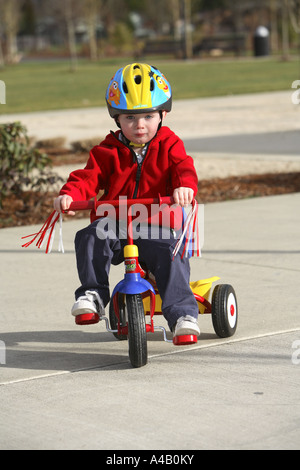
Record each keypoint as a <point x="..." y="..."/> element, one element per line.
<point x="140" y="128"/>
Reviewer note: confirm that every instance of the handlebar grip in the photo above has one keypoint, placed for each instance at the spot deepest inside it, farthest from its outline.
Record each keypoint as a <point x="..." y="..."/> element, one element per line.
<point x="81" y="205"/>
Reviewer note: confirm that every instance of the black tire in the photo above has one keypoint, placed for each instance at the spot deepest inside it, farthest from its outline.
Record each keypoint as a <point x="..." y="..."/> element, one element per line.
<point x="224" y="310"/>
<point x="113" y="319"/>
<point x="137" y="337"/>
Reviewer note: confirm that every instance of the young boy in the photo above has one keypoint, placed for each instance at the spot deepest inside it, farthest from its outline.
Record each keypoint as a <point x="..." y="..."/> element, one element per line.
<point x="142" y="160"/>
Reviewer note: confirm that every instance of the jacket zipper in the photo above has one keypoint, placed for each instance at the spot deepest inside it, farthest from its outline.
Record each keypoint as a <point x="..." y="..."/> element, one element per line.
<point x="138" y="172"/>
<point x="139" y="166"/>
<point x="137" y="179"/>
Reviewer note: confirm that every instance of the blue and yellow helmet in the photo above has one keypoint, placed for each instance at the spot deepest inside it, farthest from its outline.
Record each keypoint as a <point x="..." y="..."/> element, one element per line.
<point x="138" y="88"/>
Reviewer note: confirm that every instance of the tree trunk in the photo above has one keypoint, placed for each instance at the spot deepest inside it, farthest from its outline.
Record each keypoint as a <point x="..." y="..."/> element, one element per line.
<point x="285" y="32"/>
<point x="274" y="26"/>
<point x="92" y="41"/>
<point x="188" y="45"/>
<point x="71" y="35"/>
<point x="1" y="56"/>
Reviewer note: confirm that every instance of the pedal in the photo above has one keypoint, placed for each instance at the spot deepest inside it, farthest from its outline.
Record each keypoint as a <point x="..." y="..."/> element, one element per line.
<point x="184" y="340"/>
<point x="87" y="319"/>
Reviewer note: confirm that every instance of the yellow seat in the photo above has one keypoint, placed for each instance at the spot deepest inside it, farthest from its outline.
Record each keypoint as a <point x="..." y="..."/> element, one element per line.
<point x="201" y="287"/>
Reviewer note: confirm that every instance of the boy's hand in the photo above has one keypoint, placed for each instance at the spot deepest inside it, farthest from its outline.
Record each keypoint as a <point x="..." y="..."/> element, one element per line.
<point x="183" y="196"/>
<point x="62" y="203"/>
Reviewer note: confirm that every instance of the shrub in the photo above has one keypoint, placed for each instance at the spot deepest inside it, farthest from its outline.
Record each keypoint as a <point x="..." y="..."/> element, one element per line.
<point x="51" y="143"/>
<point x="21" y="165"/>
<point x="85" y="145"/>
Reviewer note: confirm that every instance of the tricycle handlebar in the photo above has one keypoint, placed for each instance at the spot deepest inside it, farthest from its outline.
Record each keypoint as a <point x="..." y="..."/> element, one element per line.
<point x="122" y="201"/>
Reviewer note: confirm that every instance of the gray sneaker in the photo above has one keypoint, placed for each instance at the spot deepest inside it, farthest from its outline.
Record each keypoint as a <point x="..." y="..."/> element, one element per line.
<point x="186" y="326"/>
<point x="88" y="308"/>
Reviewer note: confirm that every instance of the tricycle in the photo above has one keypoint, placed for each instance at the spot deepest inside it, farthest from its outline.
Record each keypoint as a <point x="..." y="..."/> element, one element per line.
<point x="136" y="296"/>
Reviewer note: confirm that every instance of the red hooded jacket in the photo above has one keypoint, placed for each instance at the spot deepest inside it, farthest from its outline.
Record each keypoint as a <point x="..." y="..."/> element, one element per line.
<point x="113" y="167"/>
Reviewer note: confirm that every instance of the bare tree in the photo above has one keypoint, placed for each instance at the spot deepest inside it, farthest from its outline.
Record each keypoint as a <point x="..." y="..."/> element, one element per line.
<point x="188" y="44"/>
<point x="9" y="17"/>
<point x="2" y="64"/>
<point x="285" y="31"/>
<point x="293" y="7"/>
<point x="68" y="10"/>
<point x="175" y="15"/>
<point x="91" y="12"/>
<point x="66" y="13"/>
<point x="274" y="25"/>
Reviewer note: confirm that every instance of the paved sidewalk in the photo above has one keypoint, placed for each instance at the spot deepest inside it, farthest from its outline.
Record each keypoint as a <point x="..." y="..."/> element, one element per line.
<point x="204" y="117"/>
<point x="68" y="387"/>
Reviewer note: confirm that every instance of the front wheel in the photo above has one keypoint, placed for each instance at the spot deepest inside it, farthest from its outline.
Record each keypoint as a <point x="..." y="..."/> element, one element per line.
<point x="137" y="338"/>
<point x="224" y="310"/>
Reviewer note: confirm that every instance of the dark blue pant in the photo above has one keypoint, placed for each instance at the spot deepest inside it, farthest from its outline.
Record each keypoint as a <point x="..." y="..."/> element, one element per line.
<point x="95" y="254"/>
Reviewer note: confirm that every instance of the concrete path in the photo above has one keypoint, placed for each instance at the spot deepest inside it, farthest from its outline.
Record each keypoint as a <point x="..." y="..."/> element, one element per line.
<point x="71" y="387"/>
<point x="205" y="117"/>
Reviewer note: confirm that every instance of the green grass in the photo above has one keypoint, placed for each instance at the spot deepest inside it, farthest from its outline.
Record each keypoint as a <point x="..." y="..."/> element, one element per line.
<point x="35" y="86"/>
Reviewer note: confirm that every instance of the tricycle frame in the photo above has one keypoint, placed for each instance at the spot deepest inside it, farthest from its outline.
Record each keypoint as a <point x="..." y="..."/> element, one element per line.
<point x="138" y="282"/>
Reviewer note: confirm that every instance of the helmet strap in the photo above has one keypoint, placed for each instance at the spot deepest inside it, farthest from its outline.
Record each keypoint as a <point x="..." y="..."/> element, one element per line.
<point x="132" y="144"/>
<point x="117" y="121"/>
<point x="161" y="120"/>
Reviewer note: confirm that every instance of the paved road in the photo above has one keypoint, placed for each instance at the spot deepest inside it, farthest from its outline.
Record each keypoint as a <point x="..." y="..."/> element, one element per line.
<point x="70" y="387"/>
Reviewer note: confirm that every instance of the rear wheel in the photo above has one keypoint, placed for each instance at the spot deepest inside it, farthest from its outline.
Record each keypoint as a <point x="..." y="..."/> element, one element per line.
<point x="224" y="310"/>
<point x="137" y="337"/>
